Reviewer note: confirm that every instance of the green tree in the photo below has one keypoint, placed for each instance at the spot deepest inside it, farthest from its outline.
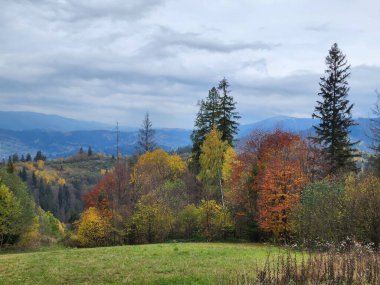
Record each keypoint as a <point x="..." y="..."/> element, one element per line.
<point x="228" y="120"/>
<point x="375" y="129"/>
<point x="28" y="157"/>
<point x="10" y="212"/>
<point x="146" y="140"/>
<point x="21" y="193"/>
<point x="89" y="151"/>
<point x="10" y="166"/>
<point x="334" y="114"/>
<point x="215" y="111"/>
<point x="39" y="156"/>
<point x="319" y="216"/>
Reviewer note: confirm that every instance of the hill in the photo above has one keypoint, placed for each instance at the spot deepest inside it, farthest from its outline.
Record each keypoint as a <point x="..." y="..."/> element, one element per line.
<point x="56" y="136"/>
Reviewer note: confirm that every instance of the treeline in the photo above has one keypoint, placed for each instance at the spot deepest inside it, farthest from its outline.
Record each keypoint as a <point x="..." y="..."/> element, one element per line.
<point x="271" y="186"/>
<point x="274" y="186"/>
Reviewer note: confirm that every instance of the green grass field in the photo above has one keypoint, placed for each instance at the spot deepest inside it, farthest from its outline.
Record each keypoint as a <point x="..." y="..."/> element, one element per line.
<point x="172" y="263"/>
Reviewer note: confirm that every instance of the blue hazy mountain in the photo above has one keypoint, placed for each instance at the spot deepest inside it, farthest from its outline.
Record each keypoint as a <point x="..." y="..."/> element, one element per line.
<point x="57" y="136"/>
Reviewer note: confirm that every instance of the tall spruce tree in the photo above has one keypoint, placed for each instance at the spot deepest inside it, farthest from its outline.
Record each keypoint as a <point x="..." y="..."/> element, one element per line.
<point x="228" y="120"/>
<point x="201" y="128"/>
<point x="208" y="117"/>
<point x="146" y="140"/>
<point x="215" y="111"/>
<point x="334" y="114"/>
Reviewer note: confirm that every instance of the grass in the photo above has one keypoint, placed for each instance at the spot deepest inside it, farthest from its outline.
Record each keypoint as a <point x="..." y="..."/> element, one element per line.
<point x="172" y="263"/>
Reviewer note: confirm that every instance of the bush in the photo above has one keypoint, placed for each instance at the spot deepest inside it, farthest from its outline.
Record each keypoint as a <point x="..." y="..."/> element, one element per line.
<point x="215" y="221"/>
<point x="150" y="223"/>
<point x="319" y="216"/>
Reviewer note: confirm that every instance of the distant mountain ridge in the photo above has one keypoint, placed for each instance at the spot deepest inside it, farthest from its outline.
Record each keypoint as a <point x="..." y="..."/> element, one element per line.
<point x="57" y="136"/>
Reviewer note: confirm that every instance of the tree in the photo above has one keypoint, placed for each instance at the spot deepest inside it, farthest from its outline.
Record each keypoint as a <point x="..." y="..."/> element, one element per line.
<point x="362" y="203"/>
<point x="15" y="157"/>
<point x="28" y="157"/>
<point x="215" y="111"/>
<point x="334" y="113"/>
<point x="375" y="129"/>
<point x="22" y="158"/>
<point x="94" y="229"/>
<point x="39" y="156"/>
<point x="201" y="128"/>
<point x="146" y="140"/>
<point x="280" y="181"/>
<point x="22" y="195"/>
<point x="10" y="212"/>
<point x="227" y="124"/>
<point x="81" y="151"/>
<point x="318" y="218"/>
<point x="211" y="162"/>
<point x="10" y="166"/>
<point x="153" y="169"/>
<point x="89" y="152"/>
<point x="24" y="174"/>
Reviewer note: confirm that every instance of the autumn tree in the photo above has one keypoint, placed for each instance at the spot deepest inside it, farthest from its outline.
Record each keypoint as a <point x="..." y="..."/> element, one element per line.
<point x="281" y="180"/>
<point x="146" y="140"/>
<point x="334" y="114"/>
<point x="93" y="228"/>
<point x="211" y="163"/>
<point x="152" y="169"/>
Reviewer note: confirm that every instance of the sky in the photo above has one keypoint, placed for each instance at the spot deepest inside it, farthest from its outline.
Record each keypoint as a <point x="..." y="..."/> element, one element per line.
<point x="115" y="60"/>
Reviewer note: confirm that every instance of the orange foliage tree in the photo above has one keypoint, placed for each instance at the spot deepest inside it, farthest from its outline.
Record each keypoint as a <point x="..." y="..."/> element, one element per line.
<point x="267" y="179"/>
<point x="281" y="180"/>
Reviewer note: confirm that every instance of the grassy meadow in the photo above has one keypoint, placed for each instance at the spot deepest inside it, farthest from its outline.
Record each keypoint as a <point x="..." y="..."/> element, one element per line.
<point x="171" y="263"/>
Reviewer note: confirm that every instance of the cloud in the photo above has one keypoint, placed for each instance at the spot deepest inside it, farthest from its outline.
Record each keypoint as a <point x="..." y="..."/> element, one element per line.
<point x="114" y="60"/>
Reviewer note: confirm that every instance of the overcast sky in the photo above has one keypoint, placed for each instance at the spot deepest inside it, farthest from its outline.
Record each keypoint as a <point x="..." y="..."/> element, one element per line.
<point x="115" y="60"/>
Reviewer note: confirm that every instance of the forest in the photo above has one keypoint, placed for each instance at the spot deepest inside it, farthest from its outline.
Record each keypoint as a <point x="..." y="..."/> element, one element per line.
<point x="278" y="187"/>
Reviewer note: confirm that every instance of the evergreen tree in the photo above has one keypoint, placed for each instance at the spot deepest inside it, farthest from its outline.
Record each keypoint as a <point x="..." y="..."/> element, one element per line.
<point x="28" y="157"/>
<point x="334" y="113"/>
<point x="39" y="156"/>
<point x="10" y="166"/>
<point x="81" y="150"/>
<point x="34" y="179"/>
<point x="24" y="174"/>
<point x="216" y="111"/>
<point x="375" y="129"/>
<point x="22" y="158"/>
<point x="15" y="158"/>
<point x="64" y="198"/>
<point x="227" y="124"/>
<point x="146" y="141"/>
<point x="201" y="128"/>
<point x="89" y="152"/>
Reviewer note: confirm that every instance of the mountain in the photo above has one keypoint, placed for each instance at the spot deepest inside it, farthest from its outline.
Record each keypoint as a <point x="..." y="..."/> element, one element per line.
<point x="282" y="122"/>
<point x="57" y="136"/>
<point x="20" y="121"/>
<point x="62" y="144"/>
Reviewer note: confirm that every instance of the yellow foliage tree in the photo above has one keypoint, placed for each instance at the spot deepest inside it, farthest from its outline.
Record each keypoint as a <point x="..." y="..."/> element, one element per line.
<point x="153" y="168"/>
<point x="211" y="161"/>
<point x="93" y="228"/>
<point x="230" y="158"/>
<point x="40" y="164"/>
